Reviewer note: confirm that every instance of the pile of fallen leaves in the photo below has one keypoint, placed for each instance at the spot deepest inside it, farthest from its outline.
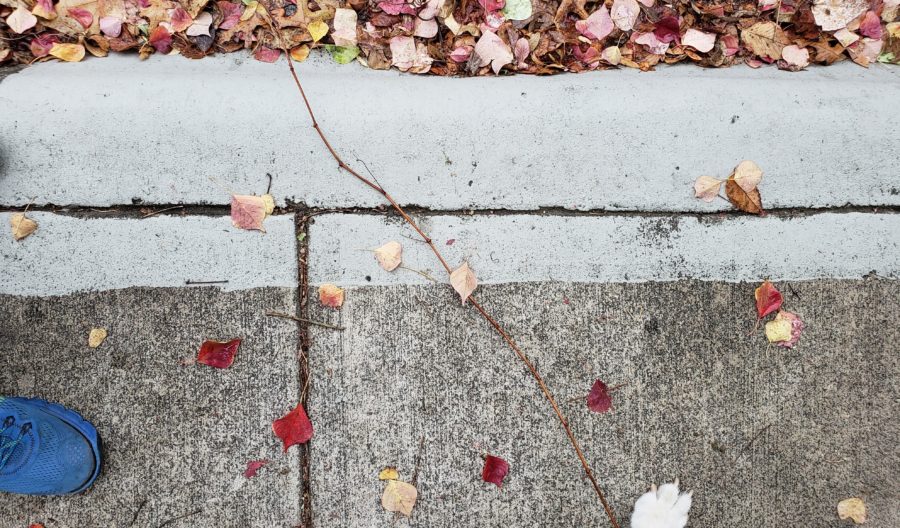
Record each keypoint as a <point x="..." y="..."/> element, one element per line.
<point x="470" y="37"/>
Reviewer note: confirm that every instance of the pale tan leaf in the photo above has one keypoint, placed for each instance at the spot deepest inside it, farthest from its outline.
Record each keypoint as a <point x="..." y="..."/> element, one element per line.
<point x="463" y="281"/>
<point x="853" y="508"/>
<point x="707" y="188"/>
<point x="96" y="337"/>
<point x="399" y="497"/>
<point x="831" y="15"/>
<point x="21" y="20"/>
<point x="764" y="39"/>
<point x="389" y="255"/>
<point x="21" y="225"/>
<point x="748" y="175"/>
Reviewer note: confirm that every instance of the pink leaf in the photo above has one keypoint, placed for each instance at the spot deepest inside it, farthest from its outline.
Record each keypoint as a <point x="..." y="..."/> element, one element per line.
<point x="699" y="40"/>
<point x="492" y="6"/>
<point x="266" y="54"/>
<point x="111" y="26"/>
<point x="871" y="26"/>
<point x="218" y="354"/>
<point x="41" y="45"/>
<point x="181" y="20"/>
<point x="598" y="400"/>
<point x="231" y="13"/>
<point x="293" y="428"/>
<point x="495" y="470"/>
<point x="247" y="211"/>
<point x="21" y="20"/>
<point x="492" y="50"/>
<point x="461" y="54"/>
<point x="83" y="16"/>
<point x="795" y="56"/>
<point x="653" y="44"/>
<point x="597" y="26"/>
<point x="521" y="53"/>
<point x="253" y="466"/>
<point x="396" y="7"/>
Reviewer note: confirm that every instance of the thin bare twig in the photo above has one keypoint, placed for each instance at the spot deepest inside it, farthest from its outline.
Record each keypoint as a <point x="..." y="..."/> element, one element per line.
<point x="154" y="213"/>
<point x="183" y="516"/>
<point x="412" y="223"/>
<point x="302" y="320"/>
<point x="190" y="282"/>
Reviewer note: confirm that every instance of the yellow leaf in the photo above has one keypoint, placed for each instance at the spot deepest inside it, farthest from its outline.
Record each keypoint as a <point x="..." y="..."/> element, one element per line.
<point x="21" y="225"/>
<point x="317" y="29"/>
<point x="707" y="188"/>
<point x="747" y="175"/>
<point x="249" y="11"/>
<point x="853" y="508"/>
<point x="778" y="330"/>
<point x="330" y="295"/>
<point x="300" y="53"/>
<point x="389" y="255"/>
<point x="96" y="337"/>
<point x="388" y="473"/>
<point x="67" y="52"/>
<point x="399" y="497"/>
<point x="463" y="281"/>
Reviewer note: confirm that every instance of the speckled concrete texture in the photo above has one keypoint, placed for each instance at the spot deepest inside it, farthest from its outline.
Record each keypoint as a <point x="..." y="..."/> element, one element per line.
<point x="614" y="139"/>
<point x="765" y="437"/>
<point x="176" y="438"/>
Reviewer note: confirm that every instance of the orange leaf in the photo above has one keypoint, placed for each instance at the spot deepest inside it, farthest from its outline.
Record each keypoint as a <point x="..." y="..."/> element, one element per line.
<point x="330" y="295"/>
<point x="749" y="202"/>
<point x="768" y="299"/>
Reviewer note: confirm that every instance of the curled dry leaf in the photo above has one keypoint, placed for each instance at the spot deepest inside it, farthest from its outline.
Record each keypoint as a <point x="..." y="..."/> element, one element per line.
<point x="768" y="299"/>
<point x="662" y="508"/>
<point x="96" y="337"/>
<point x="331" y="296"/>
<point x="495" y="470"/>
<point x="746" y="201"/>
<point x="21" y="226"/>
<point x="253" y="467"/>
<point x="388" y="473"/>
<point x="389" y="255"/>
<point x="785" y="329"/>
<point x="463" y="281"/>
<point x="853" y="508"/>
<point x="248" y="212"/>
<point x="399" y="497"/>
<point x="218" y="354"/>
<point x="707" y="188"/>
<point x="599" y="400"/>
<point x="747" y="175"/>
<point x="293" y="428"/>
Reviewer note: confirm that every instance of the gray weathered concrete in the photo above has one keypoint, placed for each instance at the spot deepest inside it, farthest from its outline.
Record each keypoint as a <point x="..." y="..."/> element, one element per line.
<point x="522" y="248"/>
<point x="765" y="437"/>
<point x="68" y="254"/>
<point x="158" y="130"/>
<point x="176" y="438"/>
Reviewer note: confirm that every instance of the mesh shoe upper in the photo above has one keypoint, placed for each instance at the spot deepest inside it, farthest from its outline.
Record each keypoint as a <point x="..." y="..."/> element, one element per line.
<point x="48" y="450"/>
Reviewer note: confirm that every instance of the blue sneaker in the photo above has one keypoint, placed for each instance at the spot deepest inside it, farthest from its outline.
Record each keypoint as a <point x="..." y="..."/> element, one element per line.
<point x="46" y="449"/>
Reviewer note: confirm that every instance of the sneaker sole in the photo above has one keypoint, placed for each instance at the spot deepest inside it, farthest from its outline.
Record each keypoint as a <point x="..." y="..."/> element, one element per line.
<point x="81" y="425"/>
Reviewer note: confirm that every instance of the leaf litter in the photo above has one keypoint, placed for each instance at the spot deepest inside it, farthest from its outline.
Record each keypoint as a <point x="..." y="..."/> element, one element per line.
<point x="486" y="37"/>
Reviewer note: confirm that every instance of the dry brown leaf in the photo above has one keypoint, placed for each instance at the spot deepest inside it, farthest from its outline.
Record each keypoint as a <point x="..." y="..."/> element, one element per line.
<point x="463" y="281"/>
<point x="399" y="497"/>
<point x="853" y="508"/>
<point x="749" y="202"/>
<point x="389" y="255"/>
<point x="331" y="296"/>
<point x="388" y="473"/>
<point x="96" y="337"/>
<point x="748" y="175"/>
<point x="764" y="39"/>
<point x="707" y="188"/>
<point x="21" y="225"/>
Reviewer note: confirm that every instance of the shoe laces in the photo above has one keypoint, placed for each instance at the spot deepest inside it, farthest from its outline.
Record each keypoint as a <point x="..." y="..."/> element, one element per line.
<point x="8" y="443"/>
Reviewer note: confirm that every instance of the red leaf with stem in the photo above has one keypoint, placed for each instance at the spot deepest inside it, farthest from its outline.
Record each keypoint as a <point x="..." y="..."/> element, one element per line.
<point x="495" y="470"/>
<point x="293" y="428"/>
<point x="218" y="354"/>
<point x="599" y="400"/>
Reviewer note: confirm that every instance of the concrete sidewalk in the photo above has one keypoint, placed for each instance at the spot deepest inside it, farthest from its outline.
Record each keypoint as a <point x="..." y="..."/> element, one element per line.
<point x="600" y="263"/>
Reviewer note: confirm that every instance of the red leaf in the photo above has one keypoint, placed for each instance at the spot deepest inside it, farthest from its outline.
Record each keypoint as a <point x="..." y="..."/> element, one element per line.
<point x="293" y="428"/>
<point x="598" y="400"/>
<point x="231" y="14"/>
<point x="667" y="29"/>
<point x="253" y="466"/>
<point x="768" y="299"/>
<point x="218" y="354"/>
<point x="264" y="54"/>
<point x="161" y="39"/>
<point x="83" y="16"/>
<point x="495" y="470"/>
